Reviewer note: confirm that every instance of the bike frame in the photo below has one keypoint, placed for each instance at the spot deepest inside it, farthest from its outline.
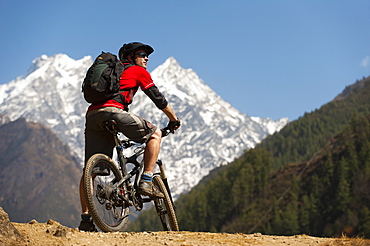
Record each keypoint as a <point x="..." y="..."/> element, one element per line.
<point x="123" y="161"/>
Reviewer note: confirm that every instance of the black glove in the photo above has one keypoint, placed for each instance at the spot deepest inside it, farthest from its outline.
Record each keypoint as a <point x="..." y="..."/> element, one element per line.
<point x="173" y="125"/>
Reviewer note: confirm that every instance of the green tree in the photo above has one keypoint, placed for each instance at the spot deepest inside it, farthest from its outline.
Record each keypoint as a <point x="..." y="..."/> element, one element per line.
<point x="364" y="223"/>
<point x="342" y="189"/>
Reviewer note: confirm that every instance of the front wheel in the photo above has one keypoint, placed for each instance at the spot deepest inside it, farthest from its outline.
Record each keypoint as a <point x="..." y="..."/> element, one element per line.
<point x="106" y="207"/>
<point x="164" y="207"/>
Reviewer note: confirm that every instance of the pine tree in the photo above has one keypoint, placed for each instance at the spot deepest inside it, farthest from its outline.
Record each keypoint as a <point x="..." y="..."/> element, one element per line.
<point x="342" y="189"/>
<point x="364" y="223"/>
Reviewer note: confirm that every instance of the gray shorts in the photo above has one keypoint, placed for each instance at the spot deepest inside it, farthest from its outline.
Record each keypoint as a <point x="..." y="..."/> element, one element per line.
<point x="99" y="140"/>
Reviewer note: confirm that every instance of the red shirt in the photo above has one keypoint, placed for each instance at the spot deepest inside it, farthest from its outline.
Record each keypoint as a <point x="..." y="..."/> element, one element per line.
<point x="131" y="79"/>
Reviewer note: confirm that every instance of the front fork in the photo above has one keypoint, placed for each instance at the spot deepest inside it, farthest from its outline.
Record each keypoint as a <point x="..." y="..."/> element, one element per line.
<point x="164" y="179"/>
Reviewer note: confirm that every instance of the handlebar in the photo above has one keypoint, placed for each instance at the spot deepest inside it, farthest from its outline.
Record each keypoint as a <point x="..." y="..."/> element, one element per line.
<point x="111" y="126"/>
<point x="165" y="131"/>
<point x="127" y="143"/>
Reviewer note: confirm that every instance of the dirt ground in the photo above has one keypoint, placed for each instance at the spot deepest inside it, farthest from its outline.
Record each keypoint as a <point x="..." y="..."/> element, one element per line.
<point x="53" y="233"/>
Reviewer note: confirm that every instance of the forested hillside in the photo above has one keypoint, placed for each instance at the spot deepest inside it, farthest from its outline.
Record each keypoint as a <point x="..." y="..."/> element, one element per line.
<point x="312" y="178"/>
<point x="300" y="140"/>
<point x="324" y="197"/>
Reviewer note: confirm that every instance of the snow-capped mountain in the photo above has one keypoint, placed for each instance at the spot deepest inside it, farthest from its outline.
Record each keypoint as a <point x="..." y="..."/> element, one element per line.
<point x="212" y="133"/>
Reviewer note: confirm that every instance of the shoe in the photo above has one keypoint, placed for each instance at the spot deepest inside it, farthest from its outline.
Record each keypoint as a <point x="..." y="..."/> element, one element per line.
<point x="87" y="224"/>
<point x="146" y="188"/>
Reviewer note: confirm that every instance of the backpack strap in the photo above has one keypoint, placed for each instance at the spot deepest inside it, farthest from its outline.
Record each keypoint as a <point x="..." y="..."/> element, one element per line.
<point x="119" y="97"/>
<point x="127" y="65"/>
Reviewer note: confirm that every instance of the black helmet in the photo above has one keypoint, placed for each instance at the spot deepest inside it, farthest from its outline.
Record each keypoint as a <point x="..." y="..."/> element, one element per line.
<point x="126" y="49"/>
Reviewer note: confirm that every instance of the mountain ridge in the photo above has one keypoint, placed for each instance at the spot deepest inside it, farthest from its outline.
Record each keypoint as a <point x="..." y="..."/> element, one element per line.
<point x="38" y="176"/>
<point x="320" y="186"/>
<point x="213" y="132"/>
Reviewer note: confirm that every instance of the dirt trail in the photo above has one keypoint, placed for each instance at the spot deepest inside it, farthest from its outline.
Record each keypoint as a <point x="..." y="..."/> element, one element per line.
<point x="53" y="233"/>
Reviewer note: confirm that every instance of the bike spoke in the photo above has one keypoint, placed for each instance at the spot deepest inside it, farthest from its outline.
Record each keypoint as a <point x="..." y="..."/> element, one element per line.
<point x="104" y="200"/>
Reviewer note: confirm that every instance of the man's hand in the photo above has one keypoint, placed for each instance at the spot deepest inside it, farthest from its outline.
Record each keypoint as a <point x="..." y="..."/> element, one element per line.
<point x="174" y="125"/>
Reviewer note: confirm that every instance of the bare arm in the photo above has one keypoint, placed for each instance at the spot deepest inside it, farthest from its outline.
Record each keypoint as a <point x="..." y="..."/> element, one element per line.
<point x="169" y="112"/>
<point x="160" y="101"/>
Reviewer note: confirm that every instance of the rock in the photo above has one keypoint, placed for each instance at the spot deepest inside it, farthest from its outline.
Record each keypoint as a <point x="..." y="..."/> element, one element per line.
<point x="8" y="233"/>
<point x="61" y="232"/>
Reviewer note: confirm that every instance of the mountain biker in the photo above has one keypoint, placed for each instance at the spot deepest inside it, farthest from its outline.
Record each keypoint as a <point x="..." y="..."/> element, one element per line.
<point x="100" y="140"/>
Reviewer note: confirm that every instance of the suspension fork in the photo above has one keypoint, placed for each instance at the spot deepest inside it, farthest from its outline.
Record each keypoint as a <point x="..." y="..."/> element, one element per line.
<point x="164" y="179"/>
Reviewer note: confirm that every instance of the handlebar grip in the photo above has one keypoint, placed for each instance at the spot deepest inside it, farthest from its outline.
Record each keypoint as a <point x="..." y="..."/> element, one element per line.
<point x="165" y="131"/>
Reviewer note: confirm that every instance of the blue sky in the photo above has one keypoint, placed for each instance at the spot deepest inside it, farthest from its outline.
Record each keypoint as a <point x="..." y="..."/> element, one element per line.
<point x="267" y="58"/>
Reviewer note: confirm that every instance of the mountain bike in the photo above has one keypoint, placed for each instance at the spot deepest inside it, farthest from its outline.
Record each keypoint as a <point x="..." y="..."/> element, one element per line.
<point x="112" y="196"/>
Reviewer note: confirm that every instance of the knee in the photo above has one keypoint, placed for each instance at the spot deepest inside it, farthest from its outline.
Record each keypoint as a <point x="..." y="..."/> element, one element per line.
<point x="157" y="134"/>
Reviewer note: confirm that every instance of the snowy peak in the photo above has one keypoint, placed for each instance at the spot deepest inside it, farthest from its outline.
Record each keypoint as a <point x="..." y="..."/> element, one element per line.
<point x="172" y="63"/>
<point x="179" y="80"/>
<point x="58" y="61"/>
<point x="50" y="94"/>
<point x="213" y="133"/>
<point x="59" y="67"/>
<point x="184" y="85"/>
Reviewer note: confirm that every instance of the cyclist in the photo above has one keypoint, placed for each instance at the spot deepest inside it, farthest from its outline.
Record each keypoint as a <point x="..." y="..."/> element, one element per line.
<point x="99" y="140"/>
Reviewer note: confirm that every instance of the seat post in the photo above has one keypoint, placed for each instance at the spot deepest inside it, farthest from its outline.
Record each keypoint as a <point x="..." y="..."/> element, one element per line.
<point x="111" y="126"/>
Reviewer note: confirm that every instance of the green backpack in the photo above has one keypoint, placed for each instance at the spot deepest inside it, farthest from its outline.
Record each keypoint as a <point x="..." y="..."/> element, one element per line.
<point x="102" y="79"/>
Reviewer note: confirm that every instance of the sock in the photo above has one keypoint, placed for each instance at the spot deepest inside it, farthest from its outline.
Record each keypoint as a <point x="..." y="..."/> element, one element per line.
<point x="147" y="176"/>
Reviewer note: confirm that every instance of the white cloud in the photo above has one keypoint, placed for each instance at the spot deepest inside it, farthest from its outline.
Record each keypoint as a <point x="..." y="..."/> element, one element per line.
<point x="365" y="62"/>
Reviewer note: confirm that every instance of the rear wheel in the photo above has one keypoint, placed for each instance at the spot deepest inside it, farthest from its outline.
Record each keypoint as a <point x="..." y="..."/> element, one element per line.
<point x="106" y="207"/>
<point x="164" y="207"/>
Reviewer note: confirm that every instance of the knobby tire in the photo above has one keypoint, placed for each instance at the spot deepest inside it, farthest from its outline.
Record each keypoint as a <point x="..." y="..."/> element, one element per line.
<point x="109" y="212"/>
<point x="164" y="207"/>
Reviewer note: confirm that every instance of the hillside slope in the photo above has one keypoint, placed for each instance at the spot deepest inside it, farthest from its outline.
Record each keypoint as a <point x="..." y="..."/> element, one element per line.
<point x="38" y="176"/>
<point x="254" y="195"/>
<point x="325" y="196"/>
<point x="300" y="139"/>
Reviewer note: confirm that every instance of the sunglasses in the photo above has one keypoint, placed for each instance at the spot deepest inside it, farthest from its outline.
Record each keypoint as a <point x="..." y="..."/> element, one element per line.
<point x="141" y="55"/>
